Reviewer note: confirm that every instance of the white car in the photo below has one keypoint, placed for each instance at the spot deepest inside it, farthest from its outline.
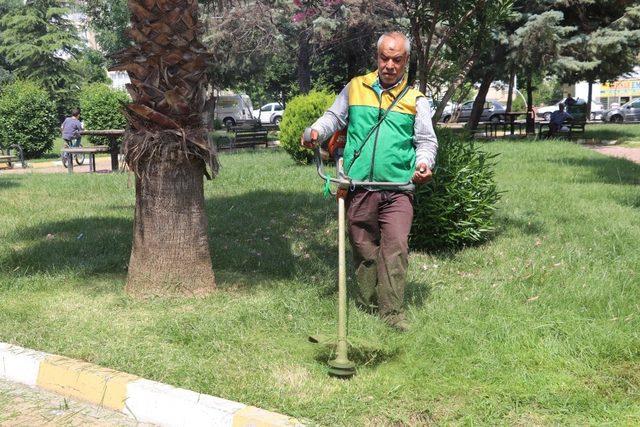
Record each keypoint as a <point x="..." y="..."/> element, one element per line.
<point x="545" y="112"/>
<point x="269" y="113"/>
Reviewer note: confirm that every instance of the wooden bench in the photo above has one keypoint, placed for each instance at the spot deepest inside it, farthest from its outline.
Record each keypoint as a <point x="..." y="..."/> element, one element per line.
<point x="91" y="151"/>
<point x="574" y="127"/>
<point x="9" y="160"/>
<point x="247" y="137"/>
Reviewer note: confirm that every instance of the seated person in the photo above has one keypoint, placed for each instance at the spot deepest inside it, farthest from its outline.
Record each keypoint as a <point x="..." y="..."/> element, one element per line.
<point x="558" y="118"/>
<point x="71" y="128"/>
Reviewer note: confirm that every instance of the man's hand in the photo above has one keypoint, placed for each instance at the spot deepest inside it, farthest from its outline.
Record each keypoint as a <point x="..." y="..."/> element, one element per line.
<point x="423" y="174"/>
<point x="312" y="142"/>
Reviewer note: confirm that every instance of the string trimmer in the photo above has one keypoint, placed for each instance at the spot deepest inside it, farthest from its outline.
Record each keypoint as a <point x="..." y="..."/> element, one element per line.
<point x="341" y="366"/>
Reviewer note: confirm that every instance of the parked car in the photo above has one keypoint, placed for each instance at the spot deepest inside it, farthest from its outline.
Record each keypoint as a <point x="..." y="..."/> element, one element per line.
<point x="629" y="112"/>
<point x="233" y="110"/>
<point x="545" y="112"/>
<point x="269" y="113"/>
<point x="493" y="111"/>
<point x="448" y="109"/>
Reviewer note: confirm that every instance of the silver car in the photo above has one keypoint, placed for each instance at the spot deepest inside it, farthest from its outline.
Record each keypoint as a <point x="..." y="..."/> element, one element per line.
<point x="629" y="112"/>
<point x="493" y="111"/>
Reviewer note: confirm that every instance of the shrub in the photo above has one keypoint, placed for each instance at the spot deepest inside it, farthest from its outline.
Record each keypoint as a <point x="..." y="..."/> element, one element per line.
<point x="101" y="108"/>
<point x="300" y="113"/>
<point x="27" y="118"/>
<point x="457" y="208"/>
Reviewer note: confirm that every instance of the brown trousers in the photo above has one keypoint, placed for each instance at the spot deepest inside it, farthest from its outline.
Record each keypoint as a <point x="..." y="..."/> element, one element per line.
<point x="379" y="226"/>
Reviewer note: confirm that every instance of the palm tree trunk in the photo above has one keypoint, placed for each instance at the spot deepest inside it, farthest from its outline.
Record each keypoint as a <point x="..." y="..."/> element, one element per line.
<point x="167" y="147"/>
<point x="170" y="253"/>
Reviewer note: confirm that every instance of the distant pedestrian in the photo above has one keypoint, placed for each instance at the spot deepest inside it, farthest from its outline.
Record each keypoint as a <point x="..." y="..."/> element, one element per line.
<point x="569" y="101"/>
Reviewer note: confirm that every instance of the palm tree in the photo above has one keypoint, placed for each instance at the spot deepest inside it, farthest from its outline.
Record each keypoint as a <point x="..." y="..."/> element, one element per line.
<point x="167" y="148"/>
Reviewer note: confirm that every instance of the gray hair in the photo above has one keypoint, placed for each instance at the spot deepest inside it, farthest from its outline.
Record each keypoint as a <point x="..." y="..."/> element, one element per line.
<point x="394" y="34"/>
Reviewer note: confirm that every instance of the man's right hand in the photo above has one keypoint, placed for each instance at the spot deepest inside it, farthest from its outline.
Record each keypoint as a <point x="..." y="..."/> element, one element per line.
<point x="312" y="142"/>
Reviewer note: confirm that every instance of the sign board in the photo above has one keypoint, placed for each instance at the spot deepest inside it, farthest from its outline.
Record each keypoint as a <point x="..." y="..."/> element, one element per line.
<point x="629" y="88"/>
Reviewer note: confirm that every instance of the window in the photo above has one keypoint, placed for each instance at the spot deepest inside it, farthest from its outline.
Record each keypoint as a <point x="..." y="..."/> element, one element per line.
<point x="266" y="108"/>
<point x="278" y="108"/>
<point x="635" y="104"/>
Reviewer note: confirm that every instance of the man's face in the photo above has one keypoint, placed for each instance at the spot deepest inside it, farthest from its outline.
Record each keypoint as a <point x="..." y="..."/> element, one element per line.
<point x="392" y="60"/>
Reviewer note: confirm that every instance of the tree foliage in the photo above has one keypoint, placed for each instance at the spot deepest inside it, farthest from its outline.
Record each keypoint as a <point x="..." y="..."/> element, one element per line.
<point x="300" y="113"/>
<point x="457" y="207"/>
<point x="27" y="117"/>
<point x="37" y="41"/>
<point x="102" y="108"/>
<point x="110" y="20"/>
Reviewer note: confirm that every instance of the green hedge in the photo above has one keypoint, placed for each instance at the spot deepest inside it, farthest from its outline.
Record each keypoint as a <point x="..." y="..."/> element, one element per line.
<point x="101" y="108"/>
<point x="27" y="118"/>
<point x="300" y="113"/>
<point x="457" y="208"/>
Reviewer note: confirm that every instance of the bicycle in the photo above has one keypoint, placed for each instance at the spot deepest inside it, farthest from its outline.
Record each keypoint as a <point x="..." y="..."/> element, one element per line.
<point x="79" y="157"/>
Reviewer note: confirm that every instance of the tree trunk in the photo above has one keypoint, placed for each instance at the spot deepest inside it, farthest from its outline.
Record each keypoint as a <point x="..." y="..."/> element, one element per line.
<point x="170" y="253"/>
<point x="512" y="83"/>
<point x="589" y="98"/>
<point x="422" y="72"/>
<point x="304" y="61"/>
<point x="478" y="103"/>
<point x="531" y="115"/>
<point x="462" y="75"/>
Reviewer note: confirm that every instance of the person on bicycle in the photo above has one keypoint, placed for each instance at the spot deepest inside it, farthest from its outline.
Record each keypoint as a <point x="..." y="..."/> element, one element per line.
<point x="390" y="137"/>
<point x="71" y="128"/>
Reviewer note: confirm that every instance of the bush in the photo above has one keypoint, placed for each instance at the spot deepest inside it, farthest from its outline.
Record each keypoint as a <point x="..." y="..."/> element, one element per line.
<point x="101" y="108"/>
<point x="27" y="118"/>
<point x="457" y="208"/>
<point x="300" y="113"/>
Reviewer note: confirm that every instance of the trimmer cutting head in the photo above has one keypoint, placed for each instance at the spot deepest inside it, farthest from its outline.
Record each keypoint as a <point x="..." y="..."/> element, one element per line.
<point x="344" y="370"/>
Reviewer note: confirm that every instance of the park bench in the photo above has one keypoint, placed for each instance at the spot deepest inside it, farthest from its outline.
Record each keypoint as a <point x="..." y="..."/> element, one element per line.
<point x="91" y="151"/>
<point x="246" y="137"/>
<point x="576" y="126"/>
<point x="12" y="154"/>
<point x="573" y="128"/>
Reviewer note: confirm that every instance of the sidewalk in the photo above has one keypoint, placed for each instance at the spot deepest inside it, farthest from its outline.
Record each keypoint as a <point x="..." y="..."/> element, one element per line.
<point x="103" y="165"/>
<point x="632" y="154"/>
<point x="25" y="406"/>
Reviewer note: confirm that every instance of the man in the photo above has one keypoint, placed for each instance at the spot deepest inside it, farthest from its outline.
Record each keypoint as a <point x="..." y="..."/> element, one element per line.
<point x="557" y="119"/>
<point x="569" y="100"/>
<point x="390" y="138"/>
<point x="71" y="128"/>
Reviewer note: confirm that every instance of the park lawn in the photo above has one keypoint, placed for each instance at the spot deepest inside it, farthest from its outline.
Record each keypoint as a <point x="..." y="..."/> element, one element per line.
<point x="538" y="326"/>
<point x="624" y="134"/>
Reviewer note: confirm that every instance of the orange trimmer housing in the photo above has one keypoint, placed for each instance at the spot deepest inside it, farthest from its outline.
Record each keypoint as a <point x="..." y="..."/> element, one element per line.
<point x="337" y="142"/>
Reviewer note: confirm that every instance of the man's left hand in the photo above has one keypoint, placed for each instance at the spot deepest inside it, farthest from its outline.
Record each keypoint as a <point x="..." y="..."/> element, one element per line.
<point x="422" y="175"/>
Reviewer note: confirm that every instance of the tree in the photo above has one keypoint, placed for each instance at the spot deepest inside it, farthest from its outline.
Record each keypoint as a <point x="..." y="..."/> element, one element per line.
<point x="167" y="148"/>
<point x="91" y="65"/>
<point x="37" y="41"/>
<point x="608" y="42"/>
<point x="110" y="20"/>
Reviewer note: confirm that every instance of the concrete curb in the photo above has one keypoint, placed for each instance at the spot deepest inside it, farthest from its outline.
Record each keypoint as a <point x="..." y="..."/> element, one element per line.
<point x="144" y="400"/>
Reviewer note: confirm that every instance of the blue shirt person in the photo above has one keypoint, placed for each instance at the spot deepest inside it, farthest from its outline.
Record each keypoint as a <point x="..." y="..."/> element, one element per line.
<point x="71" y="127"/>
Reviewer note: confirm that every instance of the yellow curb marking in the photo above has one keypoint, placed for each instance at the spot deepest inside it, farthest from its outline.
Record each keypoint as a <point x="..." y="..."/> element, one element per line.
<point x="256" y="417"/>
<point x="85" y="381"/>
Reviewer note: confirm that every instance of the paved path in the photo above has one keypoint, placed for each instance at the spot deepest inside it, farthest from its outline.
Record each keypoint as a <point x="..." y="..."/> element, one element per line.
<point x="103" y="165"/>
<point x="24" y="406"/>
<point x="632" y="154"/>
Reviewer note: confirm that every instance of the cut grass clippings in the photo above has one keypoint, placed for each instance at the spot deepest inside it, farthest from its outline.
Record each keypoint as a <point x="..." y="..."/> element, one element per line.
<point x="538" y="326"/>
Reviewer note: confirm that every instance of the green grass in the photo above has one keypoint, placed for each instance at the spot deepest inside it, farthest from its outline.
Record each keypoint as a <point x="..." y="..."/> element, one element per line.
<point x="539" y="326"/>
<point x="627" y="134"/>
